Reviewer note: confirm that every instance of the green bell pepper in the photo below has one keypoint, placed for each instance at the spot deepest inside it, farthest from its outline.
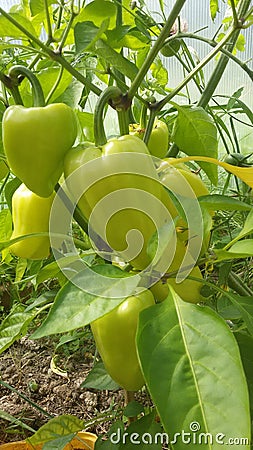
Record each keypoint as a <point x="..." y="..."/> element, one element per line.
<point x="35" y="141"/>
<point x="30" y="214"/>
<point x="159" y="138"/>
<point x="115" y="334"/>
<point x="110" y="174"/>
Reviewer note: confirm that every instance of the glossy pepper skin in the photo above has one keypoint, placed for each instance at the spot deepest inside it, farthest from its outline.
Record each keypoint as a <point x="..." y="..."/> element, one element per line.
<point x="30" y="214"/>
<point x="159" y="138"/>
<point x="125" y="219"/>
<point x="35" y="141"/>
<point x="115" y="334"/>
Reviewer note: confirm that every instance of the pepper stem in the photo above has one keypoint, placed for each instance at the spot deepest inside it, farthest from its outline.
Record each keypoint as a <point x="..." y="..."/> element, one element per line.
<point x="143" y="116"/>
<point x="38" y="96"/>
<point x="123" y="119"/>
<point x="113" y="94"/>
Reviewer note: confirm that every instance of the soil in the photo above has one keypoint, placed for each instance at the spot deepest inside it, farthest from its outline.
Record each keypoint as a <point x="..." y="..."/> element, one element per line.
<point x="26" y="367"/>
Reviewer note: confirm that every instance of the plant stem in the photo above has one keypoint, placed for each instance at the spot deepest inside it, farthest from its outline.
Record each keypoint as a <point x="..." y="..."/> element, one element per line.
<point x="155" y="49"/>
<point x="12" y="86"/>
<point x="67" y="29"/>
<point x="235" y="283"/>
<point x="226" y="52"/>
<point x="235" y="17"/>
<point x="150" y="124"/>
<point x="123" y="119"/>
<point x="25" y="31"/>
<point x="27" y="399"/>
<point x="196" y="69"/>
<point x="4" y="183"/>
<point x="223" y="60"/>
<point x="49" y="27"/>
<point x="38" y="96"/>
<point x="112" y="93"/>
<point x="69" y="205"/>
<point x="119" y="22"/>
<point x="55" y="85"/>
<point x="119" y="15"/>
<point x="58" y="24"/>
<point x="129" y="397"/>
<point x="77" y="75"/>
<point x="143" y="116"/>
<point x="53" y="55"/>
<point x="3" y="101"/>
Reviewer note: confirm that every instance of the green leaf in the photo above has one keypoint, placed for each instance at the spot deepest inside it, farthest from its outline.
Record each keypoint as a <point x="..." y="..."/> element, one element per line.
<point x="245" y="307"/>
<point x="9" y="190"/>
<point x="141" y="434"/>
<point x="133" y="409"/>
<point x="215" y="202"/>
<point x="188" y="354"/>
<point x="241" y="247"/>
<point x="161" y="3"/>
<point x="86" y="121"/>
<point x="47" y="78"/>
<point x="135" y="40"/>
<point x="159" y="72"/>
<point x="115" y="35"/>
<point x="14" y="326"/>
<point x="195" y="134"/>
<point x="115" y="59"/>
<point x="21" y="267"/>
<point x="72" y="95"/>
<point x="159" y="241"/>
<point x="240" y="43"/>
<point x="226" y="255"/>
<point x="244" y="247"/>
<point x="38" y="6"/>
<point x="5" y="225"/>
<point x="98" y="378"/>
<point x="214" y="8"/>
<point x="74" y="307"/>
<point x="49" y="271"/>
<point x="7" y="29"/>
<point x="44" y="299"/>
<point x="86" y="34"/>
<point x="234" y="97"/>
<point x="246" y="110"/>
<point x="74" y="338"/>
<point x="127" y="13"/>
<point x="16" y="422"/>
<point x="60" y="443"/>
<point x="97" y="11"/>
<point x="248" y="225"/>
<point x="245" y="343"/>
<point x="65" y="425"/>
<point x="227" y="310"/>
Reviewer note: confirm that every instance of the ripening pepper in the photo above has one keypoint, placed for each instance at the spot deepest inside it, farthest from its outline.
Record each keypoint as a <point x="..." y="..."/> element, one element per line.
<point x="115" y="334"/>
<point x="109" y="175"/>
<point x="190" y="186"/>
<point x="35" y="141"/>
<point x="187" y="289"/>
<point x="159" y="138"/>
<point x="30" y="214"/>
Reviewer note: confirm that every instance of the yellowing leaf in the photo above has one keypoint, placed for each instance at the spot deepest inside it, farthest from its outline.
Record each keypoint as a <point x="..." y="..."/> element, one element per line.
<point x="244" y="173"/>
